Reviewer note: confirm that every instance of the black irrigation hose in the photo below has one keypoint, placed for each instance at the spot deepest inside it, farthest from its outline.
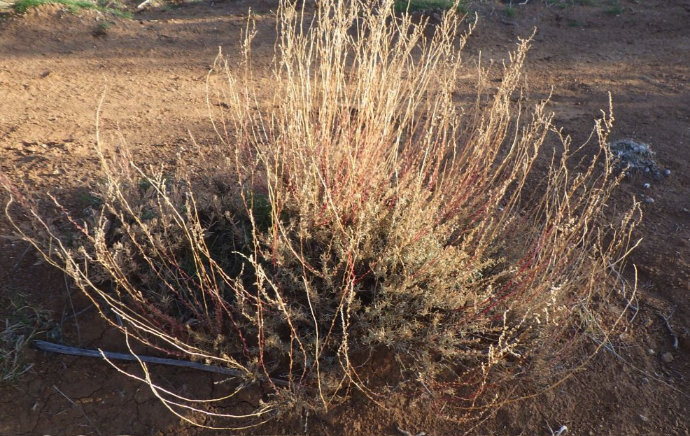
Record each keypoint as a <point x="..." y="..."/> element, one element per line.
<point x="84" y="352"/>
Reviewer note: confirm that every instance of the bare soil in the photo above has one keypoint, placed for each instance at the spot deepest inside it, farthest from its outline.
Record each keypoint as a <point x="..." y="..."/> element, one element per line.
<point x="54" y="67"/>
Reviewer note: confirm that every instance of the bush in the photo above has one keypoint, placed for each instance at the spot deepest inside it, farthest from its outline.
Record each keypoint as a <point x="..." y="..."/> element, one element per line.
<point x="365" y="212"/>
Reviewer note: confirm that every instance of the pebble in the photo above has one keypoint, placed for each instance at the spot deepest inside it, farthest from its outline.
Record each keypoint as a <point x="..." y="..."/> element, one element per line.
<point x="646" y="169"/>
<point x="647" y="186"/>
<point x="649" y="200"/>
<point x="667" y="357"/>
<point x="667" y="172"/>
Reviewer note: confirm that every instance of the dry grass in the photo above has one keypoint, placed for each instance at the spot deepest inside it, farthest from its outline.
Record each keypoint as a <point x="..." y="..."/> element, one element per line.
<point x="13" y="341"/>
<point x="20" y="324"/>
<point x="362" y="211"/>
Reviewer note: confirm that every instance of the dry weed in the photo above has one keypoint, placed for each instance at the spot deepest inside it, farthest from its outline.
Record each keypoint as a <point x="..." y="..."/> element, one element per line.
<point x="362" y="210"/>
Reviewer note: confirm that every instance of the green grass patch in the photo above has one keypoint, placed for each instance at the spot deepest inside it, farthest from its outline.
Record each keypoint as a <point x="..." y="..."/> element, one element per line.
<point x="614" y="10"/>
<point x="73" y="5"/>
<point x="564" y="4"/>
<point x="422" y="5"/>
<point x="86" y="198"/>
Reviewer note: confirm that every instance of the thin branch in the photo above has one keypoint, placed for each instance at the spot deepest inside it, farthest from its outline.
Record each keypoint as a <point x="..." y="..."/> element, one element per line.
<point x="670" y="330"/>
<point x="78" y="407"/>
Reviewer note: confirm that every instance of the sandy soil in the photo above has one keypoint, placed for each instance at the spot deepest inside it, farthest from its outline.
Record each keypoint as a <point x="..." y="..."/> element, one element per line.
<point x="53" y="71"/>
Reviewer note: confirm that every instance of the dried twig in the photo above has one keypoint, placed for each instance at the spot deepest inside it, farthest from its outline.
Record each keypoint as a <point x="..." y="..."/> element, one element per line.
<point x="69" y="298"/>
<point x="78" y="407"/>
<point x="407" y="433"/>
<point x="670" y="330"/>
<point x="561" y="431"/>
<point x="641" y="371"/>
<point x="623" y="291"/>
<point x="143" y="5"/>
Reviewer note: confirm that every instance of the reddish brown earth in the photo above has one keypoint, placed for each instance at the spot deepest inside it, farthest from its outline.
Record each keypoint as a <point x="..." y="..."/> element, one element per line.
<point x="53" y="71"/>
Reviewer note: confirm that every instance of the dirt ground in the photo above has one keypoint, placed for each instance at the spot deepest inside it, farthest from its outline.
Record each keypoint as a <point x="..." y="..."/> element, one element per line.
<point x="53" y="70"/>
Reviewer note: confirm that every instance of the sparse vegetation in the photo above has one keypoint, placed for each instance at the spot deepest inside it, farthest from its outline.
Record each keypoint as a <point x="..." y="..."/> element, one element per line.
<point x="74" y="6"/>
<point x="614" y="8"/>
<point x="564" y="4"/>
<point x="85" y="198"/>
<point x="21" y="323"/>
<point x="425" y="5"/>
<point x="102" y="28"/>
<point x="366" y="211"/>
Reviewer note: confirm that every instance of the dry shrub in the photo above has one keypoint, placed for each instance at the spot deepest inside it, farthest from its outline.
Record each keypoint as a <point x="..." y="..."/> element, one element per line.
<point x="360" y="210"/>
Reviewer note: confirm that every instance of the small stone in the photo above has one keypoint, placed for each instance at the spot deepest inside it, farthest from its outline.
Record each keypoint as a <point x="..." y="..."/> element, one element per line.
<point x="651" y="351"/>
<point x="667" y="172"/>
<point x="647" y="186"/>
<point x="649" y="200"/>
<point x="667" y="357"/>
<point x="645" y="380"/>
<point x="643" y="418"/>
<point x="647" y="169"/>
